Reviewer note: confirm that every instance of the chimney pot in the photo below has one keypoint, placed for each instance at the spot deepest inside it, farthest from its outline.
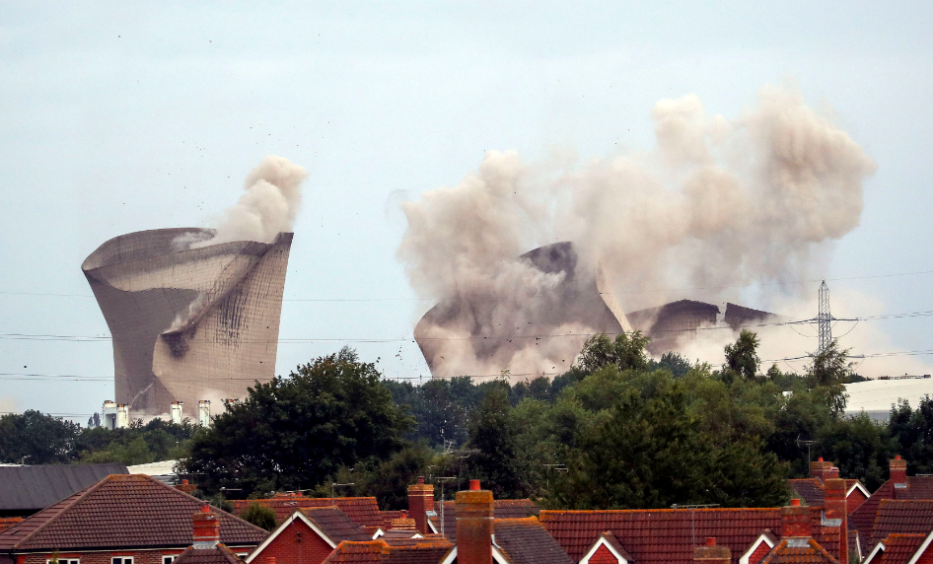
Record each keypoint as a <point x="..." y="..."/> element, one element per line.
<point x="474" y="485"/>
<point x="711" y="553"/>
<point x="897" y="457"/>
<point x="820" y="459"/>
<point x="795" y="502"/>
<point x="420" y="479"/>
<point x="710" y="541"/>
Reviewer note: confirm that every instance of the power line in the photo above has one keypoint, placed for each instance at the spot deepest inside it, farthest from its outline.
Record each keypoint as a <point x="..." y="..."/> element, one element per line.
<point x="286" y="340"/>
<point x="656" y="290"/>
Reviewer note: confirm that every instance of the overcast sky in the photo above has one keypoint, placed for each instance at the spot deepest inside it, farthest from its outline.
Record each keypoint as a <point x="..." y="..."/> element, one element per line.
<point x="118" y="117"/>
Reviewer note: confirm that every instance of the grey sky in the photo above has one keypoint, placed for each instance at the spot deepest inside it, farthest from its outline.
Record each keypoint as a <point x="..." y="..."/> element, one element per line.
<point x="117" y="117"/>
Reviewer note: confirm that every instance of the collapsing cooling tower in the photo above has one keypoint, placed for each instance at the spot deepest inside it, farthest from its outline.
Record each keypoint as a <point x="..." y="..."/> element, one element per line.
<point x="188" y="323"/>
<point x="482" y="336"/>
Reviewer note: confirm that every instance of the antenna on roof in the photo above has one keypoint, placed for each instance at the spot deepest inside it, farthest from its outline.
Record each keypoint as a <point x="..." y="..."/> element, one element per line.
<point x="693" y="515"/>
<point x="333" y="488"/>
<point x="443" y="479"/>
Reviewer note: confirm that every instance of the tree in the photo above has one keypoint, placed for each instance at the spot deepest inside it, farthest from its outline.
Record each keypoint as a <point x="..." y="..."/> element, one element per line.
<point x="742" y="357"/>
<point x="260" y="515"/>
<point x="827" y="372"/>
<point x="627" y="351"/>
<point x="292" y="433"/>
<point x="492" y="434"/>
<point x="36" y="438"/>
<point x="673" y="362"/>
<point x="651" y="453"/>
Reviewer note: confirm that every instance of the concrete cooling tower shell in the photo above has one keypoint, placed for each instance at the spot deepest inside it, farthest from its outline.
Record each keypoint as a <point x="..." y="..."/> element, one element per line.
<point x="584" y="299"/>
<point x="188" y="323"/>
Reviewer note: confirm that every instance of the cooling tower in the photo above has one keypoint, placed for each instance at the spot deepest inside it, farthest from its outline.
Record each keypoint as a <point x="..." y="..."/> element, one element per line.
<point x="188" y="323"/>
<point x="466" y="337"/>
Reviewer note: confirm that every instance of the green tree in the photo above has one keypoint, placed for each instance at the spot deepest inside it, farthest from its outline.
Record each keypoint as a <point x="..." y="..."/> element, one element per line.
<point x="651" y="453"/>
<point x="742" y="358"/>
<point x="673" y="362"/>
<point x="291" y="433"/>
<point x="493" y="435"/>
<point x="626" y="351"/>
<point x="36" y="438"/>
<point x="260" y="515"/>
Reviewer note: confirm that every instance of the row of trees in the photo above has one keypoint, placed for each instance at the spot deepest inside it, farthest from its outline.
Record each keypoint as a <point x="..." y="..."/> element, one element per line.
<point x="37" y="438"/>
<point x="617" y="430"/>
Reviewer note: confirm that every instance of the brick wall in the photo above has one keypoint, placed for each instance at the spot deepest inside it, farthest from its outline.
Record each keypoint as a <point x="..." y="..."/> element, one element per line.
<point x="296" y="544"/>
<point x="139" y="557"/>
<point x="760" y="552"/>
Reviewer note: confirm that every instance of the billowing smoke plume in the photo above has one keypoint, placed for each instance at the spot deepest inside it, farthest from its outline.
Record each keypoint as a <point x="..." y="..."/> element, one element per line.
<point x="716" y="203"/>
<point x="269" y="206"/>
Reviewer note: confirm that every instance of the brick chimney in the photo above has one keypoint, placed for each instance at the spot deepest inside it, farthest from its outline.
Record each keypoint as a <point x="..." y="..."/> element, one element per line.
<point x="819" y="468"/>
<point x="898" y="471"/>
<point x="420" y="501"/>
<point x="206" y="528"/>
<point x="184" y="486"/>
<point x="795" y="520"/>
<point x="474" y="525"/>
<point x="712" y="553"/>
<point x="835" y="514"/>
<point x="830" y="474"/>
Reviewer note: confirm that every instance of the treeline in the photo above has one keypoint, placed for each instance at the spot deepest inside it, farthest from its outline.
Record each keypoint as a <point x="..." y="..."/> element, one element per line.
<point x="37" y="438"/>
<point x="618" y="430"/>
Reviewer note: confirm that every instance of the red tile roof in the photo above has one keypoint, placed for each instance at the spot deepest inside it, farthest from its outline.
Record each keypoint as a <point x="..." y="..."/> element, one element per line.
<point x="502" y="509"/>
<point x="798" y="551"/>
<point x="668" y="536"/>
<point x="863" y="518"/>
<point x="898" y="549"/>
<point x="424" y="552"/>
<point x="902" y="517"/>
<point x="122" y="511"/>
<point x="364" y="511"/>
<point x="525" y="541"/>
<point x="810" y="489"/>
<point x="7" y="522"/>
<point x="335" y="524"/>
<point x="217" y="555"/>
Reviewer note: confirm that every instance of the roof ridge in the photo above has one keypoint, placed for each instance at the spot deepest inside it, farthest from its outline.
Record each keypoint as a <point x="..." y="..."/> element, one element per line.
<point x="661" y="510"/>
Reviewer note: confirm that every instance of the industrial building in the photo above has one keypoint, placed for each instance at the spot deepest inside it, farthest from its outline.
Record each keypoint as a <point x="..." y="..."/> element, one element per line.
<point x="188" y="322"/>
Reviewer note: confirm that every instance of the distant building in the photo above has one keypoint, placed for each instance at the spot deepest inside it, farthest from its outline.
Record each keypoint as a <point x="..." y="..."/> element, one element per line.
<point x="24" y="490"/>
<point x="188" y="323"/>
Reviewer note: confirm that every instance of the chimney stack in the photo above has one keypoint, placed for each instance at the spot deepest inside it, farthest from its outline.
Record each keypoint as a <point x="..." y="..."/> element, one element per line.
<point x="795" y="520"/>
<point x="123" y="416"/>
<point x="819" y="469"/>
<point x="474" y="525"/>
<point x="184" y="486"/>
<point x="204" y="413"/>
<point x="206" y="529"/>
<point x="177" y="410"/>
<point x="835" y="514"/>
<point x="898" y="470"/>
<point x="712" y="553"/>
<point x="420" y="501"/>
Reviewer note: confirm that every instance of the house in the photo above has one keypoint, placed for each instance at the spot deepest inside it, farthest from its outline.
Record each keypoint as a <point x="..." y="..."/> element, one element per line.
<point x="899" y="486"/>
<point x="364" y="511"/>
<point x="379" y="551"/>
<point x="206" y="547"/>
<point x="308" y="536"/>
<point x="481" y="538"/>
<point x="24" y="490"/>
<point x="670" y="536"/>
<point x="811" y="489"/>
<point x="122" y="519"/>
<point x="441" y="518"/>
